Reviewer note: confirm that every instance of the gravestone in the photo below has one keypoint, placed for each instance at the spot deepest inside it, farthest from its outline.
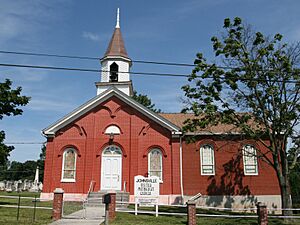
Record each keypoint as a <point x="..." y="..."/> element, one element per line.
<point x="2" y="185"/>
<point x="8" y="186"/>
<point x="29" y="185"/>
<point x="19" y="186"/>
<point x="15" y="186"/>
<point x="40" y="186"/>
<point x="34" y="187"/>
<point x="25" y="185"/>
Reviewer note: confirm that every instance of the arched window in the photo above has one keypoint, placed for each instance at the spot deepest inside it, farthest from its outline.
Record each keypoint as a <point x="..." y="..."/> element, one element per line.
<point x="207" y="160"/>
<point x="250" y="160"/>
<point x="112" y="129"/>
<point x="112" y="150"/>
<point x="155" y="163"/>
<point x="69" y="165"/>
<point x="114" y="69"/>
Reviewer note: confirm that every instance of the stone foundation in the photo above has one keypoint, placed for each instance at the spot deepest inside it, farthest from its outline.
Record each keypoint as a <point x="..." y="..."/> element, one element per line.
<point x="67" y="196"/>
<point x="239" y="201"/>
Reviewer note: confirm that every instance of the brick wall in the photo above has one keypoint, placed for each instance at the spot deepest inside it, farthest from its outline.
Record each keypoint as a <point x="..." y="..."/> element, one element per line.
<point x="229" y="178"/>
<point x="138" y="135"/>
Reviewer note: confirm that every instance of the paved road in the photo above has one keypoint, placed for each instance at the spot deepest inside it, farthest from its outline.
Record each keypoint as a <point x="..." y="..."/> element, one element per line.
<point x="94" y="216"/>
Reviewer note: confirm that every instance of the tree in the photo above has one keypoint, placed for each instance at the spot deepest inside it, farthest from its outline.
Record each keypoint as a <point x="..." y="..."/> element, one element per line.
<point x="41" y="162"/>
<point x="10" y="99"/>
<point x="145" y="101"/>
<point x="254" y="74"/>
<point x="294" y="165"/>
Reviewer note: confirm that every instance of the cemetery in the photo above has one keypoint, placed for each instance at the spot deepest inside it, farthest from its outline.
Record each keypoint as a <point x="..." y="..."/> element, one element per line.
<point x="20" y="186"/>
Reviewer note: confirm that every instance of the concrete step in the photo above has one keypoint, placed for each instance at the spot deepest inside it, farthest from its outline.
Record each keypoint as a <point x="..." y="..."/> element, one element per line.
<point x="95" y="198"/>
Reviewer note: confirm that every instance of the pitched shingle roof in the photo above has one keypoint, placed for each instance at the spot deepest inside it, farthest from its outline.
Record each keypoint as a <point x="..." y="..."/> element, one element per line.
<point x="179" y="118"/>
<point x="116" y="45"/>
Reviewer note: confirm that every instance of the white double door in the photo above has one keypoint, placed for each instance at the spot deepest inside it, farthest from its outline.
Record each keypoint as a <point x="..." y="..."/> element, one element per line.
<point x="111" y="175"/>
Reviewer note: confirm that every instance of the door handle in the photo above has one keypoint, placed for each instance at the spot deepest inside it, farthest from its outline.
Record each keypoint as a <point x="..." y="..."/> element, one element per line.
<point x="118" y="178"/>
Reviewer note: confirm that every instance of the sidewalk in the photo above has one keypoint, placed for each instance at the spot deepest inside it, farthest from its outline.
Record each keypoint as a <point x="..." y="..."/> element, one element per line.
<point x="94" y="216"/>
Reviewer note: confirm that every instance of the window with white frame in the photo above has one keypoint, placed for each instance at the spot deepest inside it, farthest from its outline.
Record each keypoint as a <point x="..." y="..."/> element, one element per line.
<point x="155" y="163"/>
<point x="250" y="160"/>
<point x="207" y="160"/>
<point x="69" y="165"/>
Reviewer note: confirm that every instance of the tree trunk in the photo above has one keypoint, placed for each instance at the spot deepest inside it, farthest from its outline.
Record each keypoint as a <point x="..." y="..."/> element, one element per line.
<point x="286" y="200"/>
<point x="282" y="170"/>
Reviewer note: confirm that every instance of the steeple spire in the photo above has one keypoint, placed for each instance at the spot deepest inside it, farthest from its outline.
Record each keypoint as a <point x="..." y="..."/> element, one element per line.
<point x="116" y="45"/>
<point x="118" y="18"/>
<point x="115" y="64"/>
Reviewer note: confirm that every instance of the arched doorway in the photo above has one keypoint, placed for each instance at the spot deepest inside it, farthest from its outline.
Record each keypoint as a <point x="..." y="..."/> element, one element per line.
<point x="111" y="169"/>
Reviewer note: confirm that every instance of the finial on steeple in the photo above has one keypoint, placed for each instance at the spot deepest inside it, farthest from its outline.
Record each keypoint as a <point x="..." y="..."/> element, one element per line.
<point x="118" y="18"/>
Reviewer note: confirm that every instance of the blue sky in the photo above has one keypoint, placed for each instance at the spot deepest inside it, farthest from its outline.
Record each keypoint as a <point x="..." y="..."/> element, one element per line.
<point x="172" y="31"/>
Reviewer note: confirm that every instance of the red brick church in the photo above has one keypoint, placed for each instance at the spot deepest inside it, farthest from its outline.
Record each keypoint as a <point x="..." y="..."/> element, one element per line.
<point x="104" y="143"/>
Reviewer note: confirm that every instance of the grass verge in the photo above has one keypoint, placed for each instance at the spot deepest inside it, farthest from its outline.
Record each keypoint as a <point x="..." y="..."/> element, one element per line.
<point x="144" y="219"/>
<point x="8" y="216"/>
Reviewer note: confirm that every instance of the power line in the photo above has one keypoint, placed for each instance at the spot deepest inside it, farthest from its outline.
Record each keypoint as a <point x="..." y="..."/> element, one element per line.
<point x="89" y="70"/>
<point x="24" y="143"/>
<point x="91" y="58"/>
<point x="99" y="58"/>
<point x="134" y="73"/>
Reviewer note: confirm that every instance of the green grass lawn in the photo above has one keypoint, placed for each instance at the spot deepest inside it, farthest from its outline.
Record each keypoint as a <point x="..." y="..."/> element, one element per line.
<point x="130" y="219"/>
<point x="8" y="216"/>
<point x="142" y="219"/>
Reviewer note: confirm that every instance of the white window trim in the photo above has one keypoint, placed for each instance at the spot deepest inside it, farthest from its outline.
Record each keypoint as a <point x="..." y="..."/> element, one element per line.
<point x="68" y="180"/>
<point x="245" y="171"/>
<point x="213" y="160"/>
<point x="161" y="164"/>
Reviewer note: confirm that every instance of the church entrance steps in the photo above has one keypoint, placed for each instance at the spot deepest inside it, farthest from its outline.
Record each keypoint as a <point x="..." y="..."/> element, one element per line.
<point x="96" y="198"/>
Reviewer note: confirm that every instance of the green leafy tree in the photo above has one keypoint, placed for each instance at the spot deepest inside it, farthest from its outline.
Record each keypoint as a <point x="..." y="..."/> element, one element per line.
<point x="41" y="163"/>
<point x="255" y="74"/>
<point x="21" y="171"/>
<point x="10" y="99"/>
<point x="145" y="101"/>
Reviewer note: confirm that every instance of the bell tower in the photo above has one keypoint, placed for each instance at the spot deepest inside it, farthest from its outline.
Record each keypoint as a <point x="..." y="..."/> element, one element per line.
<point x="115" y="64"/>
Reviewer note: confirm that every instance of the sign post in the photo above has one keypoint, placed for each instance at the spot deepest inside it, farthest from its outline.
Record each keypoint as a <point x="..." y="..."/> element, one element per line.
<point x="146" y="192"/>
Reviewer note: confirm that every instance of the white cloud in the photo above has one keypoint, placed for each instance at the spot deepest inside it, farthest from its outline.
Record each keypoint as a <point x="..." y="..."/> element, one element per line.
<point x="23" y="19"/>
<point x="24" y="74"/>
<point x="50" y="105"/>
<point x="91" y="36"/>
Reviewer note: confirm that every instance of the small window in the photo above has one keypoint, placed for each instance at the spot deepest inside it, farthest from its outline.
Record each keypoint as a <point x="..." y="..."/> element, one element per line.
<point x="155" y="163"/>
<point x="114" y="69"/>
<point x="69" y="165"/>
<point x="112" y="130"/>
<point x="207" y="160"/>
<point x="250" y="160"/>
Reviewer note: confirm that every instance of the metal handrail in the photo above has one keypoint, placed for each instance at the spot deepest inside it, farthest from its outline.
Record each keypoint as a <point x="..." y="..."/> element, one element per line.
<point x="195" y="197"/>
<point x="91" y="188"/>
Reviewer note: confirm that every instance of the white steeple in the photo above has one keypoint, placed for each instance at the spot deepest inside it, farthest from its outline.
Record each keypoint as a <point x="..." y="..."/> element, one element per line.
<point x="115" y="64"/>
<point x="118" y="18"/>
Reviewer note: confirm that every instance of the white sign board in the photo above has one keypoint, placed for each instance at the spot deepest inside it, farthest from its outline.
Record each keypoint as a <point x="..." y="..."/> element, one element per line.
<point x="146" y="191"/>
<point x="146" y="187"/>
